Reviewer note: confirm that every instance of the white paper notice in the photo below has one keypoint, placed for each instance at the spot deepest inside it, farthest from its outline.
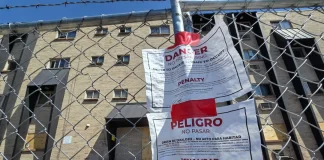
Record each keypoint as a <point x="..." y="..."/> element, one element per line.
<point x="232" y="134"/>
<point x="212" y="69"/>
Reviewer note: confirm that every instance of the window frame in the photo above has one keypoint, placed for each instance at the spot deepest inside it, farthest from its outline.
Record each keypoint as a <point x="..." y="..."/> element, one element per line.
<point x="52" y="93"/>
<point x="125" y="29"/>
<point x="270" y="93"/>
<point x="207" y="28"/>
<point x="257" y="57"/>
<point x="241" y="25"/>
<point x="101" y="31"/>
<point x="246" y="36"/>
<point x="279" y="24"/>
<point x="93" y="94"/>
<point x="7" y="66"/>
<point x="303" y="50"/>
<point x="255" y="69"/>
<point x="97" y="58"/>
<point x="121" y="93"/>
<point x="308" y="89"/>
<point x="66" y="60"/>
<point x="66" y="37"/>
<point x="268" y="108"/>
<point x="32" y="137"/>
<point x="121" y="62"/>
<point x="160" y="30"/>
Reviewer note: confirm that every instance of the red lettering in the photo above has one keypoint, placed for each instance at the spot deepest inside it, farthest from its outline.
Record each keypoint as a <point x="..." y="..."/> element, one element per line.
<point x="184" y="51"/>
<point x="208" y="122"/>
<point x="203" y="49"/>
<point x="197" y="51"/>
<point x="217" y="121"/>
<point x="199" y="124"/>
<point x="175" y="55"/>
<point x="186" y="123"/>
<point x="180" y="124"/>
<point x="168" y="58"/>
<point x="193" y="122"/>
<point x="173" y="124"/>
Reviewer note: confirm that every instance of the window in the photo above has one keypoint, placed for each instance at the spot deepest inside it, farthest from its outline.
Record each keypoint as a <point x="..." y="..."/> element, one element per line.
<point x="156" y="30"/>
<point x="60" y="63"/>
<point x="281" y="155"/>
<point x="101" y="31"/>
<point x="281" y="24"/>
<point x="10" y="66"/>
<point x="92" y="94"/>
<point x="299" y="52"/>
<point x="97" y="60"/>
<point x="310" y="88"/>
<point x="262" y="90"/>
<point x="125" y="30"/>
<point x="123" y="59"/>
<point x="243" y="26"/>
<point x="44" y="97"/>
<point x="120" y="93"/>
<point x="251" y="55"/>
<point x="277" y="151"/>
<point x="35" y="141"/>
<point x="266" y="106"/>
<point x="245" y="36"/>
<point x="66" y="34"/>
<point x="203" y="27"/>
<point x="255" y="67"/>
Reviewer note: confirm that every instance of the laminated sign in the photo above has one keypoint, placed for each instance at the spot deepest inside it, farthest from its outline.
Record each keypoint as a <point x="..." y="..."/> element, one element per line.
<point x="232" y="134"/>
<point x="210" y="69"/>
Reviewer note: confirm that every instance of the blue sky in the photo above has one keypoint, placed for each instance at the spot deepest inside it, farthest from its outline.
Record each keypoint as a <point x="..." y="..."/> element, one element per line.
<point x="70" y="11"/>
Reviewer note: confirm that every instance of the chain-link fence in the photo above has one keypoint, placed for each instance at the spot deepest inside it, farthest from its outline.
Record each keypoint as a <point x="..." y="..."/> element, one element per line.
<point x="75" y="88"/>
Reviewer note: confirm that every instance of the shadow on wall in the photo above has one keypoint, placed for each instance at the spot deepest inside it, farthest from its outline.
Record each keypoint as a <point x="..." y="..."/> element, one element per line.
<point x="100" y="148"/>
<point x="15" y="79"/>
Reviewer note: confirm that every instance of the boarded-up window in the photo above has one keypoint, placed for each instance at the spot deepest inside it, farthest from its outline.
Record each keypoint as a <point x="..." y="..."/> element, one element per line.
<point x="321" y="125"/>
<point x="131" y="145"/>
<point x="275" y="132"/>
<point x="35" y="141"/>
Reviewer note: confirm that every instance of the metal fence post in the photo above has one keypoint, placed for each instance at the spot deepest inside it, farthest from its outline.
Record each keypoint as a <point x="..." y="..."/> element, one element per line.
<point x="176" y="16"/>
<point x="188" y="25"/>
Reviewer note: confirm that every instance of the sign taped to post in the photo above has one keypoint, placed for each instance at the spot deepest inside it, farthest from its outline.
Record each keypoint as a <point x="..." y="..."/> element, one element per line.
<point x="232" y="134"/>
<point x="211" y="69"/>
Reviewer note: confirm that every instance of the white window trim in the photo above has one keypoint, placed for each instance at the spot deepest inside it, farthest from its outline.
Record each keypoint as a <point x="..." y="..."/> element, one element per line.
<point x="123" y="56"/>
<point x="125" y="28"/>
<point x="54" y="59"/>
<point x="160" y="29"/>
<point x="66" y="34"/>
<point x="122" y="90"/>
<point x="97" y="63"/>
<point x="93" y="91"/>
<point x="101" y="31"/>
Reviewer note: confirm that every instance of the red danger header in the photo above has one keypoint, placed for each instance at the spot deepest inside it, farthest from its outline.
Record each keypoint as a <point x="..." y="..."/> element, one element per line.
<point x="193" y="109"/>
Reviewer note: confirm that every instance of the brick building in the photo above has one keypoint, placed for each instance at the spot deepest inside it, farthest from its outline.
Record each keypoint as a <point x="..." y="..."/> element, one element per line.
<point x="77" y="92"/>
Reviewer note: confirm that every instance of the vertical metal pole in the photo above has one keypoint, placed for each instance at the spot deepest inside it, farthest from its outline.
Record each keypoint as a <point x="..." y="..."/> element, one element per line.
<point x="176" y="16"/>
<point x="188" y="22"/>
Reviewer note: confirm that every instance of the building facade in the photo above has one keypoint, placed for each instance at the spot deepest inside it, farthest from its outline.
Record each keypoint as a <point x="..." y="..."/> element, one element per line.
<point x="79" y="93"/>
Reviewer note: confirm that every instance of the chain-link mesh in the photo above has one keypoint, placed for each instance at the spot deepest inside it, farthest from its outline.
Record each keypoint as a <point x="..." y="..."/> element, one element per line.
<point x="79" y="93"/>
